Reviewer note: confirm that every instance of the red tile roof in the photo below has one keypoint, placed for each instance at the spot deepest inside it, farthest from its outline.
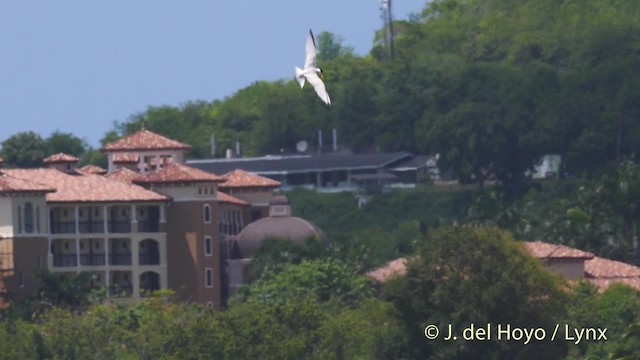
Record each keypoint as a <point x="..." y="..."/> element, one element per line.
<point x="603" y="283"/>
<point x="225" y="198"/>
<point x="83" y="187"/>
<point x="9" y="184"/>
<point x="385" y="272"/>
<point x="240" y="178"/>
<point x="125" y="158"/>
<point x="144" y="140"/>
<point x="599" y="271"/>
<point x="93" y="169"/>
<point x="178" y="173"/>
<point x="542" y="250"/>
<point x="60" y="158"/>
<point x="123" y="174"/>
<point x="604" y="268"/>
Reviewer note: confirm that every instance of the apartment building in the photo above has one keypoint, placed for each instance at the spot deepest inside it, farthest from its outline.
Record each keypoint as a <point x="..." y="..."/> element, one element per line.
<point x="147" y="222"/>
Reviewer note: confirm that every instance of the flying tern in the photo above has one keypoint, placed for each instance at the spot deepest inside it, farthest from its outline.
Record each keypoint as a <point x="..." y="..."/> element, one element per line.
<point x="311" y="72"/>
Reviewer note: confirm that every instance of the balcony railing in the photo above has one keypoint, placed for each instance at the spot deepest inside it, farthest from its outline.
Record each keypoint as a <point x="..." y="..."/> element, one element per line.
<point x="148" y="226"/>
<point x="65" y="260"/>
<point x="92" y="260"/>
<point x="63" y="227"/>
<point x="91" y="227"/>
<point x="119" y="226"/>
<point x="149" y="259"/>
<point x="120" y="259"/>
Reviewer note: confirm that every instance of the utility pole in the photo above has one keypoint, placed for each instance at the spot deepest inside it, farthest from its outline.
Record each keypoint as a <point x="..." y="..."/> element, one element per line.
<point x="387" y="20"/>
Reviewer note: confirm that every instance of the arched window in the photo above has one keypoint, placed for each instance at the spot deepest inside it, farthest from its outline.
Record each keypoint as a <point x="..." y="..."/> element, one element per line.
<point x="28" y="218"/>
<point x="208" y="246"/>
<point x="206" y="213"/>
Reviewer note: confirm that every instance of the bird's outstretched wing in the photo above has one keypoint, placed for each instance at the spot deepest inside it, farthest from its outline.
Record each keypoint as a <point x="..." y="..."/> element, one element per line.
<point x="319" y="87"/>
<point x="310" y="60"/>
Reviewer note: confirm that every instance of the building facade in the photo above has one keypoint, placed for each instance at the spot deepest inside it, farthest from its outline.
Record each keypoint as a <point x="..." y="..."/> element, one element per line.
<point x="148" y="222"/>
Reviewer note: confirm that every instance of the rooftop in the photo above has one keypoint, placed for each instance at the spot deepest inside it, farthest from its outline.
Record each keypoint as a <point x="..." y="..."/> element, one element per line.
<point x="225" y="198"/>
<point x="240" y="178"/>
<point x="93" y="169"/>
<point x="543" y="250"/>
<point x="84" y="187"/>
<point x="60" y="158"/>
<point x="273" y="165"/>
<point x="9" y="184"/>
<point x="177" y="173"/>
<point x="144" y="140"/>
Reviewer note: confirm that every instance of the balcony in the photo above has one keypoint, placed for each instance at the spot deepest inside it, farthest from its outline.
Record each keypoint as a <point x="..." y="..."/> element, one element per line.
<point x="91" y="227"/>
<point x="92" y="260"/>
<point x="65" y="260"/>
<point x="119" y="226"/>
<point x="148" y="226"/>
<point x="71" y="260"/>
<point x="120" y="259"/>
<point x="63" y="227"/>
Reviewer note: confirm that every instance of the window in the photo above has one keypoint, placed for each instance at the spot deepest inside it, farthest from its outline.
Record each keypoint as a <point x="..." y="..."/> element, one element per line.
<point x="206" y="213"/>
<point x="19" y="219"/>
<point x="20" y="279"/>
<point x="28" y="218"/>
<point x="208" y="277"/>
<point x="208" y="246"/>
<point x="38" y="219"/>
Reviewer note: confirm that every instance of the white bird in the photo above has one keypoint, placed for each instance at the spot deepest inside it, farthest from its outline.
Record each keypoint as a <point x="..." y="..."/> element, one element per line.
<point x="311" y="72"/>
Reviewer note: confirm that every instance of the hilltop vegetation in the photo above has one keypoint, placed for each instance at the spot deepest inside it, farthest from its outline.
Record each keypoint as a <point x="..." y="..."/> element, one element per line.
<point x="490" y="85"/>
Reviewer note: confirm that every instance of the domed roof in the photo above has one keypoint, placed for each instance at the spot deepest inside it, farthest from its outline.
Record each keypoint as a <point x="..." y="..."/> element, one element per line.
<point x="275" y="227"/>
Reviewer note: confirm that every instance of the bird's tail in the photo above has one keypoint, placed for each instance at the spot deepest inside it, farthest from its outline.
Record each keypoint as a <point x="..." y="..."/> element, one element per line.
<point x="300" y="76"/>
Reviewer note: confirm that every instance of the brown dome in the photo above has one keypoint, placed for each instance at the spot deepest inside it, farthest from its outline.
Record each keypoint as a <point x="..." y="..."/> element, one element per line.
<point x="278" y="227"/>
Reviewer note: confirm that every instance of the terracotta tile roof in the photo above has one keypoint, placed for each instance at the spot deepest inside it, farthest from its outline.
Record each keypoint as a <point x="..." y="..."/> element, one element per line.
<point x="144" y="140"/>
<point x="93" y="169"/>
<point x="604" y="268"/>
<point x="542" y="250"/>
<point x="123" y="174"/>
<point x="240" y="178"/>
<point x="603" y="283"/>
<point x="385" y="272"/>
<point x="125" y="158"/>
<point x="60" y="158"/>
<point x="178" y="173"/>
<point x="225" y="198"/>
<point x="83" y="187"/>
<point x="9" y="184"/>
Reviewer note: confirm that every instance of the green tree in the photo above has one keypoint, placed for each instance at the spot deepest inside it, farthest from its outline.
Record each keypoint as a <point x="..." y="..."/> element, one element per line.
<point x="323" y="278"/>
<point x="329" y="46"/>
<point x="24" y="149"/>
<point x="472" y="275"/>
<point x="60" y="142"/>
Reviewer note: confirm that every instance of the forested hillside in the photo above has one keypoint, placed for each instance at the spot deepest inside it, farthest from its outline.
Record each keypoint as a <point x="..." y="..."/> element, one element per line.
<point x="490" y="85"/>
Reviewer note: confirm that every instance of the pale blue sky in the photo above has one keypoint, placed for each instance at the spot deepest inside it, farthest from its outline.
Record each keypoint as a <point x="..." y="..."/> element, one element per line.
<point x="78" y="65"/>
